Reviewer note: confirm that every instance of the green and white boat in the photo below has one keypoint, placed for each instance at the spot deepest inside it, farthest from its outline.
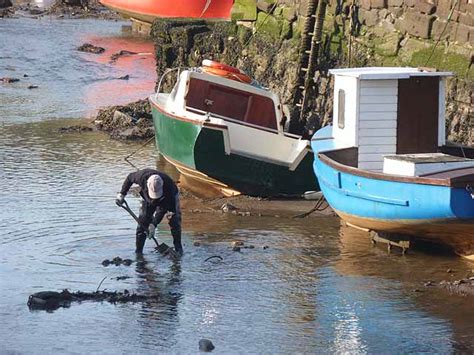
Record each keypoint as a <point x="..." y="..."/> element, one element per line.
<point x="230" y="134"/>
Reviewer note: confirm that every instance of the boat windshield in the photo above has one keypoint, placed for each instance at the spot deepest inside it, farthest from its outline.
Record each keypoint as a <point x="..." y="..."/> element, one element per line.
<point x="228" y="102"/>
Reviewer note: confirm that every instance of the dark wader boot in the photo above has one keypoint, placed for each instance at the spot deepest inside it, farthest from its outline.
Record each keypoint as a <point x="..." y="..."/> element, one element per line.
<point x="175" y="226"/>
<point x="145" y="215"/>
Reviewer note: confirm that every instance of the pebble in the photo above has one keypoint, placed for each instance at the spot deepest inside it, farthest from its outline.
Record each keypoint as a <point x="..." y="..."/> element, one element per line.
<point x="127" y="262"/>
<point x="117" y="261"/>
<point x="265" y="247"/>
<point x="33" y="87"/>
<point x="226" y="207"/>
<point x="236" y="248"/>
<point x="197" y="244"/>
<point x="106" y="262"/>
<point x="206" y="345"/>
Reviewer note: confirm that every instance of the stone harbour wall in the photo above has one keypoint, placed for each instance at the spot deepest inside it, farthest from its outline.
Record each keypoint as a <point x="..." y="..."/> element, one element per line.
<point x="264" y="40"/>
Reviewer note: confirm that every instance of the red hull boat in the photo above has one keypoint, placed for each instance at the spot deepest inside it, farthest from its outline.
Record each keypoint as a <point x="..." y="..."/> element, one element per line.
<point x="148" y="10"/>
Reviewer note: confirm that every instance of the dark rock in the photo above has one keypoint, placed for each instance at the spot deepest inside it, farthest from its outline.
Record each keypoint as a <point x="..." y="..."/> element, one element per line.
<point x="106" y="262"/>
<point x="197" y="244"/>
<point x="265" y="247"/>
<point x="120" y="278"/>
<point x="236" y="248"/>
<point x="117" y="260"/>
<point x="25" y="75"/>
<point x="32" y="87"/>
<point x="90" y="48"/>
<point x="206" y="345"/>
<point x="129" y="122"/>
<point x="127" y="262"/>
<point x="125" y="77"/>
<point x="51" y="300"/>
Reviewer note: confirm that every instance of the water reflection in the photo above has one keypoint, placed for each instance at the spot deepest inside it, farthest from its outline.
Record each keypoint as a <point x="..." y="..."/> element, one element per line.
<point x="71" y="84"/>
<point x="164" y="311"/>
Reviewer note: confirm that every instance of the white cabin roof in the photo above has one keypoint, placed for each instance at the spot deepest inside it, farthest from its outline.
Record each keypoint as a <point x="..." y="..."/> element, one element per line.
<point x="378" y="73"/>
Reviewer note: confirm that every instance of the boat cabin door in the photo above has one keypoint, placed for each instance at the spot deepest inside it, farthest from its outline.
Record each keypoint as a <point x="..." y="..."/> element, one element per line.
<point x="417" y="118"/>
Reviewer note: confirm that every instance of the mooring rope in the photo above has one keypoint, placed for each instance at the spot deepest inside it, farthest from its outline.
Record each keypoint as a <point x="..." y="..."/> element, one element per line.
<point x="317" y="207"/>
<point x="136" y="151"/>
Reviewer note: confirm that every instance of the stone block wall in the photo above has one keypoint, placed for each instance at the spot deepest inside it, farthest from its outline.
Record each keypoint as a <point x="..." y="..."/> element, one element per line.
<point x="427" y="33"/>
<point x="264" y="40"/>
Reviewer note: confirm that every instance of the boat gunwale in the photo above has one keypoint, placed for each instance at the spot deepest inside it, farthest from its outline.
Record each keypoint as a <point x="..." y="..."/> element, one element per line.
<point x="155" y="104"/>
<point x="448" y="182"/>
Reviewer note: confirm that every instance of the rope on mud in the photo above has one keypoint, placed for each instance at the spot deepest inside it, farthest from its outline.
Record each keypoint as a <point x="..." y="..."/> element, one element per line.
<point x="318" y="207"/>
<point x="136" y="151"/>
<point x="98" y="287"/>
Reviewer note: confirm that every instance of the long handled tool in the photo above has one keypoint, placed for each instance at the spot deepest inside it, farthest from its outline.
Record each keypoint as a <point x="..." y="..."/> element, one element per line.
<point x="162" y="248"/>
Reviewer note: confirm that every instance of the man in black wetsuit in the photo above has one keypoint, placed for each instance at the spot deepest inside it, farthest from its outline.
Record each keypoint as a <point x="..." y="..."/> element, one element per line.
<point x="160" y="197"/>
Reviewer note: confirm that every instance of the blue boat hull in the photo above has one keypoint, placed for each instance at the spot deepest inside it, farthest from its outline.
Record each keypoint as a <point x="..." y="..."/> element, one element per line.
<point x="440" y="214"/>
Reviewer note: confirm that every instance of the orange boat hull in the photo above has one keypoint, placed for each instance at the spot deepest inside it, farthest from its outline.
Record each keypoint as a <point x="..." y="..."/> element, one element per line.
<point x="148" y="10"/>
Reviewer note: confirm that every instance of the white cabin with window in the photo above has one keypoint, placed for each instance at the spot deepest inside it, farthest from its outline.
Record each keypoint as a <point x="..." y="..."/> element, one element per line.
<point x="386" y="111"/>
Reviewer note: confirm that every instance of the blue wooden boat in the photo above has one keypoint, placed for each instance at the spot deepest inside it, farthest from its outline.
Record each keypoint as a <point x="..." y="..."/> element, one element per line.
<point x="384" y="165"/>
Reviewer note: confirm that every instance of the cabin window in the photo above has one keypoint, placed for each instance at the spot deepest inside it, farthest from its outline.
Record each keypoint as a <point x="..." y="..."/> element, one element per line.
<point x="228" y="102"/>
<point x="341" y="108"/>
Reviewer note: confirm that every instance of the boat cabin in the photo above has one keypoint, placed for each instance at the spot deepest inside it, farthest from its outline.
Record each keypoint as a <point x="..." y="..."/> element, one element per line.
<point x="230" y="100"/>
<point x="388" y="112"/>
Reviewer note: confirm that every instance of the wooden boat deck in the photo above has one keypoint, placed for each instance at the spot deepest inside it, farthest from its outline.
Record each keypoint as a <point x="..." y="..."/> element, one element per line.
<point x="464" y="176"/>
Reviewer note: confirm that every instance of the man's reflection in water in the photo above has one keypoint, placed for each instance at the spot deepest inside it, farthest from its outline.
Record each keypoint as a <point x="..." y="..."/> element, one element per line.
<point x="158" y="319"/>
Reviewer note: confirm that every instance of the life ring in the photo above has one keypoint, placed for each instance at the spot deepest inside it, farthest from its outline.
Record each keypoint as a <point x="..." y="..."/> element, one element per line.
<point x="212" y="64"/>
<point x="226" y="71"/>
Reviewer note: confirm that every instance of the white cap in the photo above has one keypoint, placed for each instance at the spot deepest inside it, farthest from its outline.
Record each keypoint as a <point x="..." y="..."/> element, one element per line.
<point x="155" y="186"/>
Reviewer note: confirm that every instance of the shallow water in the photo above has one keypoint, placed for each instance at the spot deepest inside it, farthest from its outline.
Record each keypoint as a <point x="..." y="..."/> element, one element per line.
<point x="318" y="287"/>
